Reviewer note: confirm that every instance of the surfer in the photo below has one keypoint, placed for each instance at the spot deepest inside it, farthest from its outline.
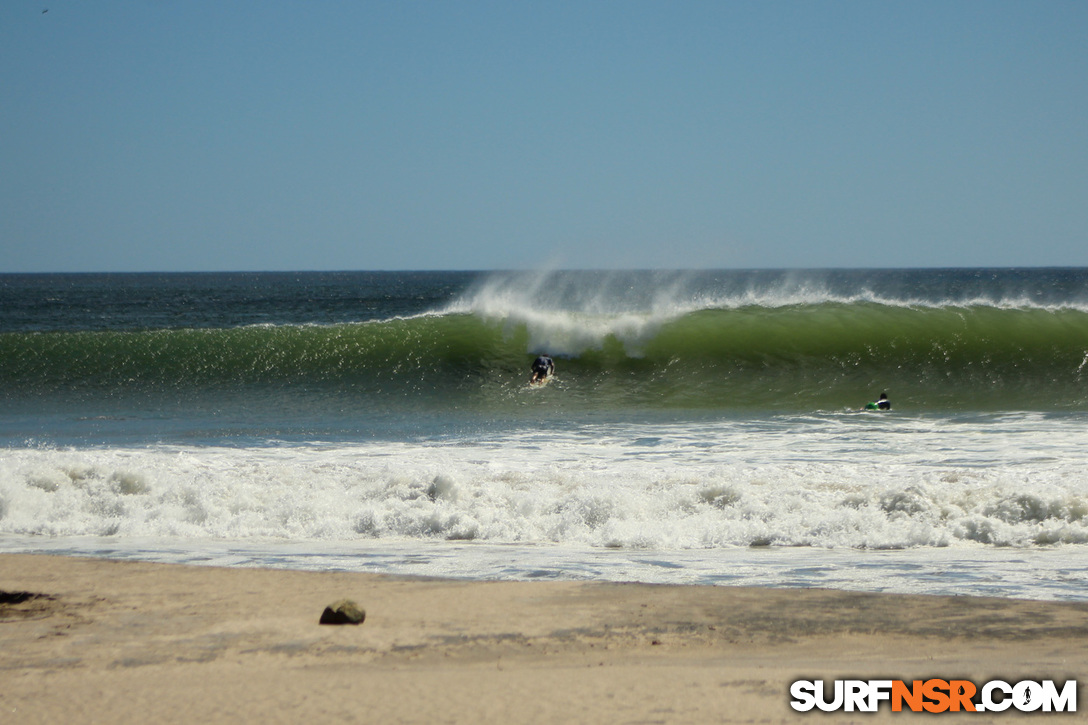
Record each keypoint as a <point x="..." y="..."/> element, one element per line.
<point x="882" y="403"/>
<point x="542" y="368"/>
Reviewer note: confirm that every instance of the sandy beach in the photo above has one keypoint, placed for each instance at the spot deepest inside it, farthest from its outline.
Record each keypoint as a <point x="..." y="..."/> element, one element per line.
<point x="128" y="642"/>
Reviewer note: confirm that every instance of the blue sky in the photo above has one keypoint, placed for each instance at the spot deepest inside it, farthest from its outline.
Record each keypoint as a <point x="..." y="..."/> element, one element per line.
<point x="230" y="135"/>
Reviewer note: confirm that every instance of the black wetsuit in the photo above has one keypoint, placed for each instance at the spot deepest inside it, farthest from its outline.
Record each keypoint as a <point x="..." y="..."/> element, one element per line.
<point x="543" y="366"/>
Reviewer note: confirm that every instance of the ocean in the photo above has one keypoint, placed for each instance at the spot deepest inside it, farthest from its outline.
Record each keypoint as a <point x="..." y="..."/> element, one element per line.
<point x="703" y="427"/>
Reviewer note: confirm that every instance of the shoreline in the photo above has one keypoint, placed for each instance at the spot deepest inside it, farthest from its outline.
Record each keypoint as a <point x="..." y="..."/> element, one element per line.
<point x="133" y="641"/>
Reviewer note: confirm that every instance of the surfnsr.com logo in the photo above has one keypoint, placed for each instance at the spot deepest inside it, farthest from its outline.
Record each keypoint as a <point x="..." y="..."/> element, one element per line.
<point x="934" y="695"/>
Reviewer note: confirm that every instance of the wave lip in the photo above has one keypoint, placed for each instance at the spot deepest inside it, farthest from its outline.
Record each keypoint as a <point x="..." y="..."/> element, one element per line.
<point x="675" y="292"/>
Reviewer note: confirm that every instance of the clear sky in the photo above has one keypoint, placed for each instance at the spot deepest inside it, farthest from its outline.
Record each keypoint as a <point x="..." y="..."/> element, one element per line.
<point x="144" y="135"/>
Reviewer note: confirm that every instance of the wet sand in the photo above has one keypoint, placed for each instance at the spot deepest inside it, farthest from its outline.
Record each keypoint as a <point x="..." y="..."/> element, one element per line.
<point x="129" y="642"/>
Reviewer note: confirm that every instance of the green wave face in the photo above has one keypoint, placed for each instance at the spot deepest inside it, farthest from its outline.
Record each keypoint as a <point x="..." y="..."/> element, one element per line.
<point x="819" y="356"/>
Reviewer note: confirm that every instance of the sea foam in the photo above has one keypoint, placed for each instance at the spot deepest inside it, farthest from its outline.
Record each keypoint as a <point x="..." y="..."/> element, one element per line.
<point x="832" y="482"/>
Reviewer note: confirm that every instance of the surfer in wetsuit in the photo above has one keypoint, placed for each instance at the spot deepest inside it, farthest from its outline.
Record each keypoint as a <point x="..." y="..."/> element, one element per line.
<point x="881" y="404"/>
<point x="542" y="368"/>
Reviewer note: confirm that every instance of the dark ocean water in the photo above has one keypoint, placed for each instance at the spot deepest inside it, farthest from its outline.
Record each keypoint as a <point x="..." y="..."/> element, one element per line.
<point x="697" y="421"/>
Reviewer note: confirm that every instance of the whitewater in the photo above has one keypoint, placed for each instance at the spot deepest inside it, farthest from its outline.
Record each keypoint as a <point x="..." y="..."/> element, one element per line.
<point x="703" y="428"/>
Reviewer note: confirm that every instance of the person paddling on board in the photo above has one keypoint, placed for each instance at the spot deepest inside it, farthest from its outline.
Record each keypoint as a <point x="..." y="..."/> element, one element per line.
<point x="542" y="368"/>
<point x="881" y="404"/>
